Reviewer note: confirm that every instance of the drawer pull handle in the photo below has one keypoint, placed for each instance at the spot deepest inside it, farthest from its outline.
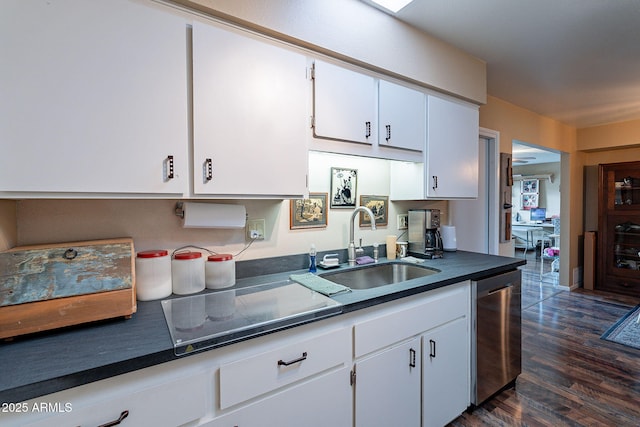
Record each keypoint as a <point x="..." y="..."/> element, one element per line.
<point x="412" y="358"/>
<point x="208" y="174"/>
<point x="123" y="415"/>
<point x="170" y="174"/>
<point x="367" y="129"/>
<point x="432" y="349"/>
<point x="291" y="362"/>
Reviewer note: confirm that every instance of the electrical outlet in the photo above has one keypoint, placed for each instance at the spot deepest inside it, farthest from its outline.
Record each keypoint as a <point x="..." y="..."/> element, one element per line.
<point x="256" y="229"/>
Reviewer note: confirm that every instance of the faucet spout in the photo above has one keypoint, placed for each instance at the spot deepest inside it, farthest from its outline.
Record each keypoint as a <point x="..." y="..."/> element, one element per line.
<point x="351" y="249"/>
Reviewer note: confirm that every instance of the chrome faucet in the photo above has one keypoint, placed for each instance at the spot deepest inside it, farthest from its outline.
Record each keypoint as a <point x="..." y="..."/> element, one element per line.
<point x="351" y="249"/>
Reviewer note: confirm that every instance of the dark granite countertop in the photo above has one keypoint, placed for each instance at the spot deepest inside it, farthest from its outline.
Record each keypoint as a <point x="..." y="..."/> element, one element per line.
<point x="48" y="362"/>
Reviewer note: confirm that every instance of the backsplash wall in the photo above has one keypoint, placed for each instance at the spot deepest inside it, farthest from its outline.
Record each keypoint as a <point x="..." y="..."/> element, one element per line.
<point x="153" y="224"/>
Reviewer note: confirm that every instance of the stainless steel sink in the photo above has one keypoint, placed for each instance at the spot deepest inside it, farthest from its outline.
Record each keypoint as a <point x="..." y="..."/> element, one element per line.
<point x="379" y="275"/>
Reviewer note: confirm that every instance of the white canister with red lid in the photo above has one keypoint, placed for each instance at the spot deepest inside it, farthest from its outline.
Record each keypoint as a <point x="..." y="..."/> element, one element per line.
<point x="220" y="271"/>
<point x="187" y="273"/>
<point x="153" y="275"/>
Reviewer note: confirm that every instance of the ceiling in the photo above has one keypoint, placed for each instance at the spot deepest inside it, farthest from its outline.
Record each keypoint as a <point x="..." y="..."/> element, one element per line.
<point x="577" y="61"/>
<point x="525" y="154"/>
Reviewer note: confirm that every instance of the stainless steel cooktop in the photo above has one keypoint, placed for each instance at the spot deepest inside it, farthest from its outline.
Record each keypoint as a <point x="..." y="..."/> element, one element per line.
<point x="219" y="318"/>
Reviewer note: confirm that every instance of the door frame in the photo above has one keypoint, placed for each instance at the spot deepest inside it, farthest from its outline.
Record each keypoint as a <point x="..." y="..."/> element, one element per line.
<point x="493" y="178"/>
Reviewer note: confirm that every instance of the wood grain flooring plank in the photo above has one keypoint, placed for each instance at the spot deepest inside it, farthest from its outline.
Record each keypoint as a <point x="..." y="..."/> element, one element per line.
<point x="570" y="377"/>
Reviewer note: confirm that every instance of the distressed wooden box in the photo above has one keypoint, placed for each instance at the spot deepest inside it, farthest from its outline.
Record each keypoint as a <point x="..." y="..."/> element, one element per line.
<point x="45" y="287"/>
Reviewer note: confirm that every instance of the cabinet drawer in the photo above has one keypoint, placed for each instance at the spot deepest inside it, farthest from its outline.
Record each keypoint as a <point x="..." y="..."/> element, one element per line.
<point x="168" y="403"/>
<point x="436" y="308"/>
<point x="621" y="285"/>
<point x="262" y="373"/>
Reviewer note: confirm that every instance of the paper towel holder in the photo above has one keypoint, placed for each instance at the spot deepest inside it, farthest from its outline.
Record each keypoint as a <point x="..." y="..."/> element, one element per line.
<point x="213" y="209"/>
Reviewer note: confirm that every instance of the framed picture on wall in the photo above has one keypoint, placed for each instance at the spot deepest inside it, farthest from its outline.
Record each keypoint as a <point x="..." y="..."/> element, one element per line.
<point x="529" y="186"/>
<point x="530" y="201"/>
<point x="379" y="206"/>
<point x="308" y="213"/>
<point x="344" y="183"/>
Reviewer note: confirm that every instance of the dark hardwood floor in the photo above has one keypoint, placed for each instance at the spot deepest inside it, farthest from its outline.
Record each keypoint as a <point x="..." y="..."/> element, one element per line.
<point x="570" y="377"/>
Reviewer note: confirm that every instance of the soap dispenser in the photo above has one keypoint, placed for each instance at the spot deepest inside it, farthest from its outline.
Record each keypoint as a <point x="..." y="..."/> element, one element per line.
<point x="312" y="259"/>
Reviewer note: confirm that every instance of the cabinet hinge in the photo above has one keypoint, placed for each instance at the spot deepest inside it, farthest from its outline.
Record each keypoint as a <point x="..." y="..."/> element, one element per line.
<point x="312" y="71"/>
<point x="352" y="377"/>
<point x="312" y="121"/>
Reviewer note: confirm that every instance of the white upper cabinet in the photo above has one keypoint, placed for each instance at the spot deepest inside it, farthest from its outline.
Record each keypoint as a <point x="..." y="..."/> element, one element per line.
<point x="250" y="110"/>
<point x="401" y="117"/>
<point x="94" y="98"/>
<point x="452" y="149"/>
<point x="450" y="168"/>
<point x="343" y="103"/>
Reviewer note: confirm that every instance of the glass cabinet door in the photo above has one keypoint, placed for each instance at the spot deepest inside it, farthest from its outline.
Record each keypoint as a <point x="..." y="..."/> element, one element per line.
<point x="625" y="253"/>
<point x="626" y="188"/>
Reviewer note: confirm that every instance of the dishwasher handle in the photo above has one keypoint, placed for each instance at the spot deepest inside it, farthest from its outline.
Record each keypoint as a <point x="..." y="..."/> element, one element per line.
<point x="494" y="284"/>
<point x="499" y="289"/>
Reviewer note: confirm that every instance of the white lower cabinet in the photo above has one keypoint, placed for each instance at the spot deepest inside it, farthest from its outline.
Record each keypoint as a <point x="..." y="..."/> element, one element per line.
<point x="387" y="387"/>
<point x="445" y="383"/>
<point x="285" y="386"/>
<point x="320" y="402"/>
<point x="404" y="363"/>
<point x="398" y="379"/>
<point x="162" y="395"/>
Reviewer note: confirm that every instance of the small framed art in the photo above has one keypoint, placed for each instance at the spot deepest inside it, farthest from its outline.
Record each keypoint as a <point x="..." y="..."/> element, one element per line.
<point x="529" y="186"/>
<point x="379" y="206"/>
<point x="529" y="200"/>
<point x="308" y="213"/>
<point x="344" y="183"/>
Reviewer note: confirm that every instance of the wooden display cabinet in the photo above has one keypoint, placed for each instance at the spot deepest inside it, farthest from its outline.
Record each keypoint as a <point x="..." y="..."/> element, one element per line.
<point x="619" y="228"/>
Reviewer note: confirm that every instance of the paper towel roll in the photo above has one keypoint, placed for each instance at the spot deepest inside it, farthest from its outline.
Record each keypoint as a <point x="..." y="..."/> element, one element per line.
<point x="211" y="215"/>
<point x="449" y="243"/>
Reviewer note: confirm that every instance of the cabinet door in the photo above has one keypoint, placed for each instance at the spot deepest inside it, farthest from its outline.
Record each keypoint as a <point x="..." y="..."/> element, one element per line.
<point x="97" y="104"/>
<point x="446" y="371"/>
<point x="387" y="387"/>
<point x="323" y="401"/>
<point x="249" y="115"/>
<point x="344" y="104"/>
<point x="401" y="117"/>
<point x="619" y="226"/>
<point x="452" y="149"/>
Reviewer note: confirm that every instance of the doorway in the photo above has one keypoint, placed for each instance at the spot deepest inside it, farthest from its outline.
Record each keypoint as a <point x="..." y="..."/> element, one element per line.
<point x="537" y="201"/>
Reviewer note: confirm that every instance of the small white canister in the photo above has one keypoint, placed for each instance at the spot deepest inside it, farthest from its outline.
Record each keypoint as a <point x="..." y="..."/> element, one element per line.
<point x="153" y="275"/>
<point x="220" y="271"/>
<point x="187" y="273"/>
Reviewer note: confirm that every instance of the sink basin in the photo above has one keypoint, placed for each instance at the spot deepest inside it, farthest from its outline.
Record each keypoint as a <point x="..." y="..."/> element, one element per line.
<point x="379" y="275"/>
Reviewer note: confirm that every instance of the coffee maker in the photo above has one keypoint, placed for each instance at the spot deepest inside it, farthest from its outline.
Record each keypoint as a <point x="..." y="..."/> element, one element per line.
<point x="424" y="233"/>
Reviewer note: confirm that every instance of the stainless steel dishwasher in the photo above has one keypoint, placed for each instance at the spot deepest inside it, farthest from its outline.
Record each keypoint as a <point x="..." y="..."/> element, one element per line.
<point x="496" y="340"/>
